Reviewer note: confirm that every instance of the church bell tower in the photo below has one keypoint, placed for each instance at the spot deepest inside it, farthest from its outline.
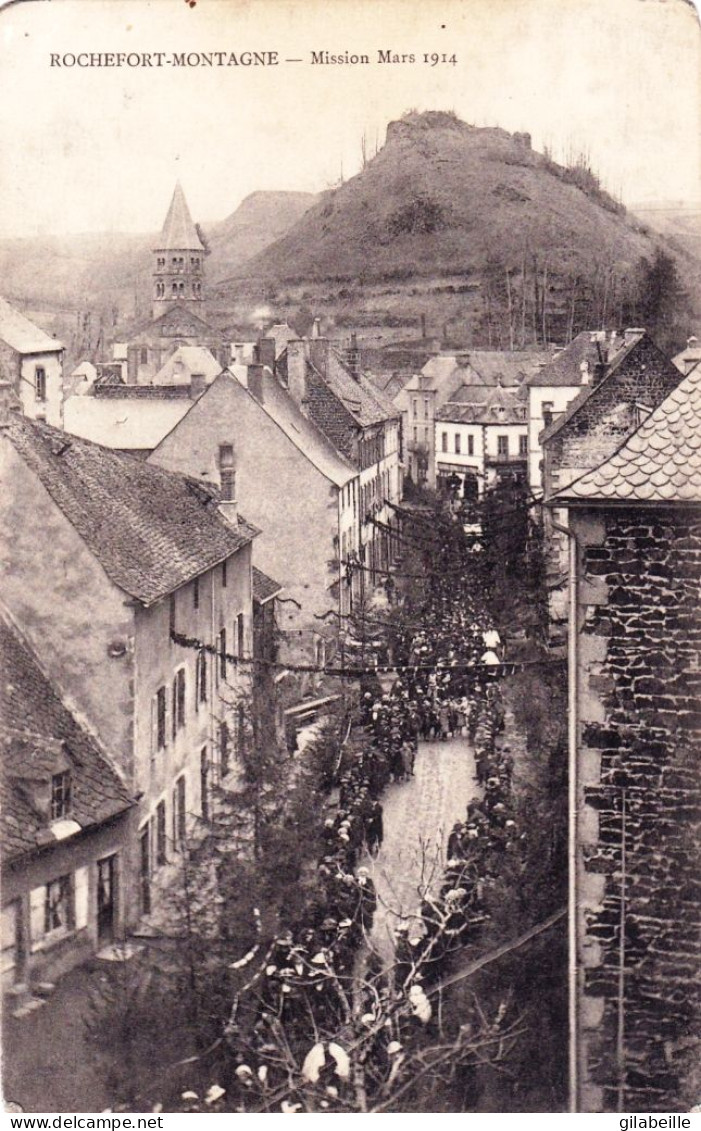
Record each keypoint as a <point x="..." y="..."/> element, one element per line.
<point x="178" y="261"/>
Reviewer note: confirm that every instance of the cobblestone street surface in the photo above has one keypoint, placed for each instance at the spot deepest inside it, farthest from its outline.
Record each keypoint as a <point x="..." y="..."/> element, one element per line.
<point x="418" y="817"/>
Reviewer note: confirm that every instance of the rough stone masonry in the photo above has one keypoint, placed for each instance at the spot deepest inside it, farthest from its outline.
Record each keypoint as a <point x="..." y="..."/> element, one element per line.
<point x="639" y="685"/>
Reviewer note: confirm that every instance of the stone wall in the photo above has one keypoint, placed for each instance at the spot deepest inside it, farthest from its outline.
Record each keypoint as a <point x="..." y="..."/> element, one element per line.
<point x="639" y="678"/>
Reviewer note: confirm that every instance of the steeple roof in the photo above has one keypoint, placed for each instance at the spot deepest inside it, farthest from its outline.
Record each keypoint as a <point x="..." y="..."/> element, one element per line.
<point x="179" y="233"/>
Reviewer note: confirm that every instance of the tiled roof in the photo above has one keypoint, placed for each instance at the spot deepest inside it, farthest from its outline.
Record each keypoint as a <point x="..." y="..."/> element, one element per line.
<point x="660" y="463"/>
<point x="506" y="367"/>
<point x="21" y="334"/>
<point x="366" y="404"/>
<point x="179" y="233"/>
<point x="499" y="406"/>
<point x="264" y="587"/>
<point x="588" y="390"/>
<point x="35" y="728"/>
<point x="566" y="367"/>
<point x="151" y="530"/>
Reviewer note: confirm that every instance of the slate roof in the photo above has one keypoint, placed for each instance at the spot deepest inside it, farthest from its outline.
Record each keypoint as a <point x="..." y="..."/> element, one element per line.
<point x="264" y="587"/>
<point x="179" y="233"/>
<point x="587" y="390"/>
<point x="498" y="406"/>
<point x="366" y="404"/>
<point x="151" y="530"/>
<point x="565" y="368"/>
<point x="660" y="463"/>
<point x="35" y="726"/>
<point x="21" y="334"/>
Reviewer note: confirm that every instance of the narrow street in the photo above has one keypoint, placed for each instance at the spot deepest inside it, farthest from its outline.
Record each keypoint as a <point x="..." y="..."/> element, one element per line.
<point x="418" y="817"/>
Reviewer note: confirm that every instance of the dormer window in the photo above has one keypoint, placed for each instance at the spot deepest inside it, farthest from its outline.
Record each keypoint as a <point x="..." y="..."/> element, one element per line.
<point x="60" y="796"/>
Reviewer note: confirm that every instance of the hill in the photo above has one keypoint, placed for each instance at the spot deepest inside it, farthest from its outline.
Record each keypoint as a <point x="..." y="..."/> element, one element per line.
<point x="112" y="271"/>
<point x="439" y="197"/>
<point x="467" y="230"/>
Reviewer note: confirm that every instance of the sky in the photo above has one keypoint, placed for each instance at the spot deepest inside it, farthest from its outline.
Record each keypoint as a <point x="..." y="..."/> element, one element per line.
<point x="99" y="149"/>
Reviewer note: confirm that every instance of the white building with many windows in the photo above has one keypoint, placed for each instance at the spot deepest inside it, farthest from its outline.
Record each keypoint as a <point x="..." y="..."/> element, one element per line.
<point x="481" y="440"/>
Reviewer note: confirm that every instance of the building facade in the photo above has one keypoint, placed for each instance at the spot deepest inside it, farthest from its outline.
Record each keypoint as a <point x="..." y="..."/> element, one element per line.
<point x="291" y="482"/>
<point x="481" y="440"/>
<point x="635" y="673"/>
<point x="65" y="830"/>
<point x="31" y="362"/>
<point x="138" y="568"/>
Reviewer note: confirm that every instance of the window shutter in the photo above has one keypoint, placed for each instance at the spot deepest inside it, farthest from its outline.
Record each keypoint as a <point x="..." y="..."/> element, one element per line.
<point x="82" y="897"/>
<point x="37" y="905"/>
<point x="154" y="727"/>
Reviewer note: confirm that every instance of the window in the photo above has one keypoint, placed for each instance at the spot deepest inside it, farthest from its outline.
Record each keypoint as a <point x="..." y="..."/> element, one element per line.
<point x="415" y="406"/>
<point x="60" y="796"/>
<point x="224" y="577"/>
<point x="51" y="908"/>
<point x="178" y="701"/>
<point x="143" y="357"/>
<point x="222" y="653"/>
<point x="458" y="445"/>
<point x="502" y="445"/>
<point x="224" y="751"/>
<point x="161" y="718"/>
<point x="523" y="445"/>
<point x="444" y="441"/>
<point x="416" y="434"/>
<point x="174" y="290"/>
<point x="40" y="383"/>
<point x="470" y="445"/>
<point x="201" y="680"/>
<point x="145" y="869"/>
<point x="227" y="476"/>
<point x="204" y="784"/>
<point x="240" y="634"/>
<point x="161" y="839"/>
<point x="196" y="593"/>
<point x="179" y="812"/>
<point x="425" y="408"/>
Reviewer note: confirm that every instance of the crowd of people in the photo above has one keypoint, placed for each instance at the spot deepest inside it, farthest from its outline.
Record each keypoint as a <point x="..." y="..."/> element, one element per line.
<point x="448" y="656"/>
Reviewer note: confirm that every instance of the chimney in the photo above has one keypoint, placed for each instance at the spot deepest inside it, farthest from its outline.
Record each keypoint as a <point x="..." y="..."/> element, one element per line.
<point x="316" y="328"/>
<point x="198" y="384"/>
<point x="692" y="342"/>
<point x="297" y="353"/>
<point x="228" y="506"/>
<point x="319" y="354"/>
<point x="132" y="365"/>
<point x="352" y="357"/>
<point x="423" y="325"/>
<point x="265" y="352"/>
<point x="255" y="381"/>
<point x="584" y="370"/>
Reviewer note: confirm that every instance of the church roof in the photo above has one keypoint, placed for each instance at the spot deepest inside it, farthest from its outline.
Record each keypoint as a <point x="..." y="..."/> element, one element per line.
<point x="179" y="233"/>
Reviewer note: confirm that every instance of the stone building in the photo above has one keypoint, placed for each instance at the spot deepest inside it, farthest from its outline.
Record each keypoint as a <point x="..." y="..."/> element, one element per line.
<point x="178" y="261"/>
<point x="635" y="672"/>
<point x="620" y="389"/>
<point x="32" y="363"/>
<point x="106" y="560"/>
<point x="64" y="830"/>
